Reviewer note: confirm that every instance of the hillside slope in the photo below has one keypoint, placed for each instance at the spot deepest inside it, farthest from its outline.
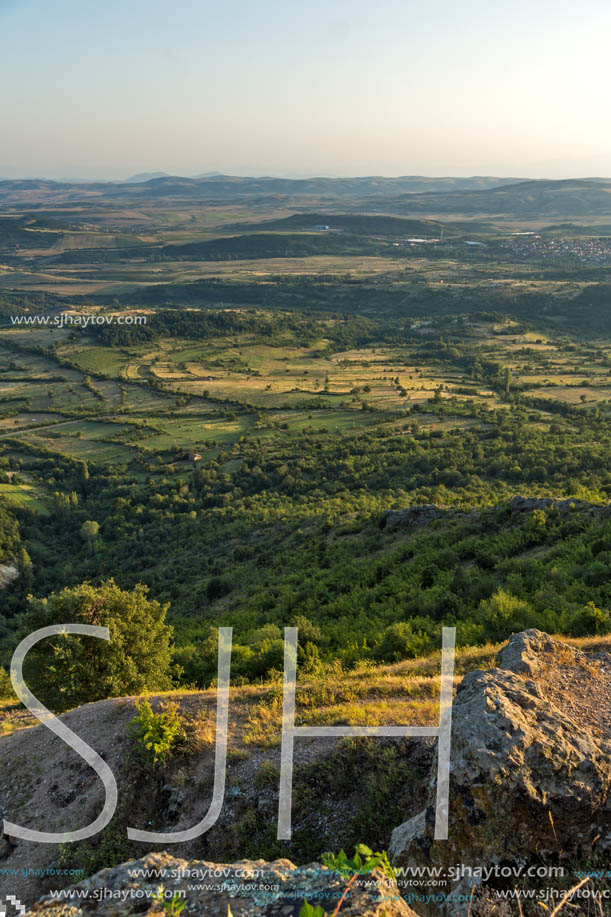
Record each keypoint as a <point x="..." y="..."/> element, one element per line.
<point x="345" y="791"/>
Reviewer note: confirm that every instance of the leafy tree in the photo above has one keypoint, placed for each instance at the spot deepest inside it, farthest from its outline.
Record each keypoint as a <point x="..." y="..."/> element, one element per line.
<point x="89" y="531"/>
<point x="504" y="614"/>
<point x="401" y="641"/>
<point x="507" y="380"/>
<point x="69" y="670"/>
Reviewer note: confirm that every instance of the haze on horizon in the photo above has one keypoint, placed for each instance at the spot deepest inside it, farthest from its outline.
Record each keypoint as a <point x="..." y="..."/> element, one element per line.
<point x="288" y="89"/>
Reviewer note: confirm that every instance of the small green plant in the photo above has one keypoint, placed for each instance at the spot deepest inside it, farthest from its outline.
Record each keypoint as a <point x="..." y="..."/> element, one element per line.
<point x="364" y="860"/>
<point x="109" y="848"/>
<point x="308" y="911"/>
<point x="267" y="775"/>
<point x="237" y="755"/>
<point x="173" y="905"/>
<point x="157" y="733"/>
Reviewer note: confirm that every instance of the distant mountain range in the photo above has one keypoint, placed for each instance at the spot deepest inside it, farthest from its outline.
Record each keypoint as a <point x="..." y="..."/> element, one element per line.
<point x="145" y="176"/>
<point x="149" y="176"/>
<point x="338" y="187"/>
<point x="410" y="195"/>
<point x="372" y="184"/>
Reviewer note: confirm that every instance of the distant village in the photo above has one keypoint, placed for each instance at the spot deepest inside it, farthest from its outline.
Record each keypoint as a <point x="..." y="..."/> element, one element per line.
<point x="586" y="250"/>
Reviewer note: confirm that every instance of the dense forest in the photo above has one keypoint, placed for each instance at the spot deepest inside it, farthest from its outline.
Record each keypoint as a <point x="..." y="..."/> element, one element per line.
<point x="298" y="529"/>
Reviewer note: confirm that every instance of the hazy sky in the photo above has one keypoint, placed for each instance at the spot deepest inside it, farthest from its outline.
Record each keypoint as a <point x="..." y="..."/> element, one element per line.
<point x="323" y="87"/>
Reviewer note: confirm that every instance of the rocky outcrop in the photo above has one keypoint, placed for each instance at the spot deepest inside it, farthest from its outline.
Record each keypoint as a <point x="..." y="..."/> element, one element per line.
<point x="423" y="514"/>
<point x="530" y="762"/>
<point x="247" y="888"/>
<point x="412" y="516"/>
<point x="8" y="574"/>
<point x="528" y="504"/>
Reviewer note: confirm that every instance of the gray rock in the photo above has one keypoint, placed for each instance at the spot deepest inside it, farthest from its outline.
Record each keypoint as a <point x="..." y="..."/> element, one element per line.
<point x="529" y="778"/>
<point x="251" y="887"/>
<point x="412" y="516"/>
<point x="531" y="651"/>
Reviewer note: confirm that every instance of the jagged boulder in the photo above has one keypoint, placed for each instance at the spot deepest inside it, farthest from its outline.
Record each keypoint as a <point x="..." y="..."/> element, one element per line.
<point x="412" y="516"/>
<point x="530" y="770"/>
<point x="251" y="887"/>
<point x="528" y="504"/>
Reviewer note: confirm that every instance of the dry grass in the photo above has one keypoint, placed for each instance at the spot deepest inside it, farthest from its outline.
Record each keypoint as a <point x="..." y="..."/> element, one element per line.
<point x="375" y="713"/>
<point x="263" y="726"/>
<point x="405" y="693"/>
<point x="200" y="731"/>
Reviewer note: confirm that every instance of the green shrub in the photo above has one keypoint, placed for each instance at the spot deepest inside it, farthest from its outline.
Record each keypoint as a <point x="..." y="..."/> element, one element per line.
<point x="402" y="641"/>
<point x="6" y="688"/>
<point x="590" y="620"/>
<point x="267" y="775"/>
<point x="108" y="848"/>
<point x="504" y="614"/>
<point x="157" y="734"/>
